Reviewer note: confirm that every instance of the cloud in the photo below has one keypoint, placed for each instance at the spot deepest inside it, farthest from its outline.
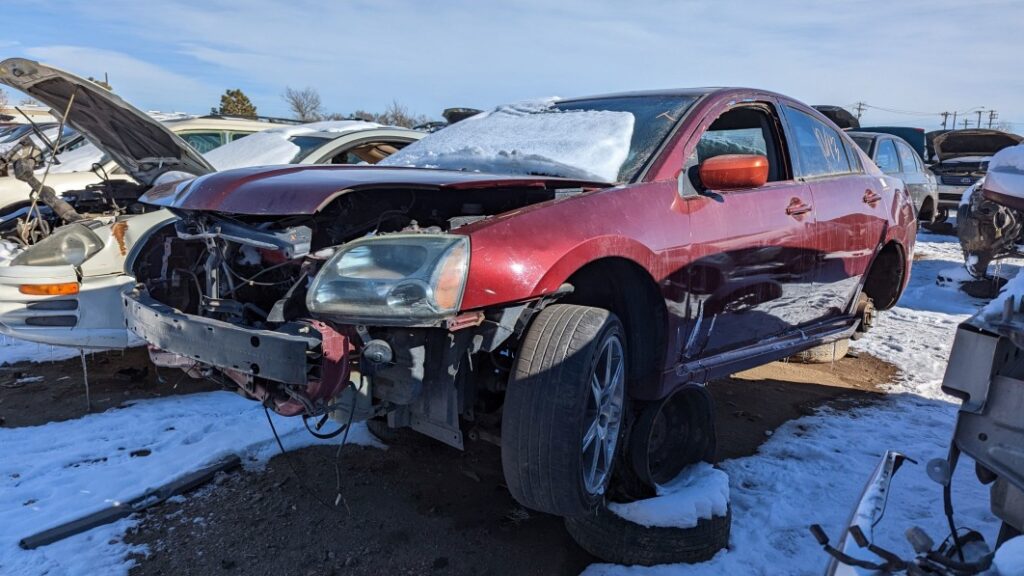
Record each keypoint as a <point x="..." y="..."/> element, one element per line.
<point x="137" y="81"/>
<point x="915" y="54"/>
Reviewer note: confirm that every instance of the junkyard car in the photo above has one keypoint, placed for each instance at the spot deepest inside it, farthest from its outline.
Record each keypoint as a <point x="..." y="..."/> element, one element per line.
<point x="76" y="173"/>
<point x="567" y="268"/>
<point x="133" y="164"/>
<point x="990" y="219"/>
<point x="66" y="289"/>
<point x="985" y="373"/>
<point x="895" y="157"/>
<point x="961" y="159"/>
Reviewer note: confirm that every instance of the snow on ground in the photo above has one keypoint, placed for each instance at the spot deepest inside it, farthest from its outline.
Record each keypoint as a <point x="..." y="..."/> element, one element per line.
<point x="700" y="491"/>
<point x="59" y="471"/>
<point x="1009" y="560"/>
<point x="528" y="138"/>
<point x="813" y="470"/>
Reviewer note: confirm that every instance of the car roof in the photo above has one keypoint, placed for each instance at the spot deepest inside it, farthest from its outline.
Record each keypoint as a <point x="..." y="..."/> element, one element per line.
<point x="201" y="123"/>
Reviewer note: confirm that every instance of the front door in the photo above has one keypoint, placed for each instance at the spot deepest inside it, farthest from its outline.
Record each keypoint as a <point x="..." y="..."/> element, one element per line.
<point x="752" y="256"/>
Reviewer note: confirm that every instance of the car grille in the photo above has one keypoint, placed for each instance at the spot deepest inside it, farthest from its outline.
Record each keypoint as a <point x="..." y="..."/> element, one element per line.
<point x="958" y="180"/>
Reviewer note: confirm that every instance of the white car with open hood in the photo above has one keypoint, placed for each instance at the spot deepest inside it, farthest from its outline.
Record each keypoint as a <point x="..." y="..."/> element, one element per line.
<point x="66" y="289"/>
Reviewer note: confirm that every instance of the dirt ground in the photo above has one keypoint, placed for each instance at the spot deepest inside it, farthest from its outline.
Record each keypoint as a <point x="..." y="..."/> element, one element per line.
<point x="416" y="508"/>
<point x="114" y="378"/>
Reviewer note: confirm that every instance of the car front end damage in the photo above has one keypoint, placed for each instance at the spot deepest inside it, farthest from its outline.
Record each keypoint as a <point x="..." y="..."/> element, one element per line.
<point x="362" y="296"/>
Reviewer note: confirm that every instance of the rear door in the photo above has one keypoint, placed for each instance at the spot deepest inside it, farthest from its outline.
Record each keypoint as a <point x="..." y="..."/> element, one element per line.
<point x="850" y="208"/>
<point x="912" y="175"/>
<point x="753" y="257"/>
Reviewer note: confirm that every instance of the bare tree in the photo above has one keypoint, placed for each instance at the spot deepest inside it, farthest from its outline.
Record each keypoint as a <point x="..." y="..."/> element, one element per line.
<point x="395" y="114"/>
<point x="305" y="103"/>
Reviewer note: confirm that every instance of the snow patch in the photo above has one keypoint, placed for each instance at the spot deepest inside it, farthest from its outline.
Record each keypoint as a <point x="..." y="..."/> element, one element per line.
<point x="1009" y="560"/>
<point x="60" y="471"/>
<point x="700" y="491"/>
<point x="528" y="139"/>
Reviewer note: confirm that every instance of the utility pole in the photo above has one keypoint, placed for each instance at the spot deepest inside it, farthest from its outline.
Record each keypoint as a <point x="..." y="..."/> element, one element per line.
<point x="945" y="117"/>
<point x="992" y="115"/>
<point x="966" y="122"/>
<point x="979" y="118"/>
<point x="860" y="109"/>
<point x="954" y="120"/>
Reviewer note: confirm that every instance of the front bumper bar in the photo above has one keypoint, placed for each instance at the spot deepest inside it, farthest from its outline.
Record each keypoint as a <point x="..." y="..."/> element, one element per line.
<point x="278" y="356"/>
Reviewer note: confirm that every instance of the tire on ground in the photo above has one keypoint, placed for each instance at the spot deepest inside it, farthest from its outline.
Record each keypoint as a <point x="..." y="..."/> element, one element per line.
<point x="543" y="416"/>
<point x="615" y="539"/>
<point x="824" y="353"/>
<point x="379" y="428"/>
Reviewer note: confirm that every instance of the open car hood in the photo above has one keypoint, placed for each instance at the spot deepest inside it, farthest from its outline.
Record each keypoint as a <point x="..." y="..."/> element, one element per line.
<point x="138" y="143"/>
<point x="960" y="143"/>
<point x="306" y="189"/>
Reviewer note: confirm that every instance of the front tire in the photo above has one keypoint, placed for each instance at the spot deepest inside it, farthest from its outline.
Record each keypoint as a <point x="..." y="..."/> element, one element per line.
<point x="564" y="410"/>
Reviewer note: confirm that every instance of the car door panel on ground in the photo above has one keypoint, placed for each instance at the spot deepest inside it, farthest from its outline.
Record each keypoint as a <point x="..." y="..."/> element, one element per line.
<point x="850" y="209"/>
<point x="753" y="258"/>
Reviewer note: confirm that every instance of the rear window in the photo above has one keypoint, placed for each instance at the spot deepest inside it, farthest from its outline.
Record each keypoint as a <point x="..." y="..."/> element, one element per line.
<point x="885" y="157"/>
<point x="863" y="142"/>
<point x="820" y="148"/>
<point x="907" y="157"/>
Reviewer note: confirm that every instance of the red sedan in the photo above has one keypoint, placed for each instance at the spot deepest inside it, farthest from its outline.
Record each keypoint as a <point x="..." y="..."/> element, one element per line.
<point x="564" y="275"/>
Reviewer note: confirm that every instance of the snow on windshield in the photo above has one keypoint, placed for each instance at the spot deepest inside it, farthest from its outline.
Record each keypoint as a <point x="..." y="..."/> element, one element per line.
<point x="273" y="146"/>
<point x="528" y="138"/>
<point x="1006" y="172"/>
<point x="1008" y="160"/>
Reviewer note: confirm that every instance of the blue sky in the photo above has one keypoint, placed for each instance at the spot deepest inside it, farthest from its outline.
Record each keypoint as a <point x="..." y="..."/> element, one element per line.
<point x="180" y="55"/>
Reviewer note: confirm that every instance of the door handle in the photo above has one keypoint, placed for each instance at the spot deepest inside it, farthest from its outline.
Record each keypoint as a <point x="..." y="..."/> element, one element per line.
<point x="797" y="207"/>
<point x="870" y="198"/>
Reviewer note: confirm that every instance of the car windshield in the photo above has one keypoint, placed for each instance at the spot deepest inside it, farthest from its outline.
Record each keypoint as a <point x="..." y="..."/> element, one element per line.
<point x="601" y="139"/>
<point x="864" y="142"/>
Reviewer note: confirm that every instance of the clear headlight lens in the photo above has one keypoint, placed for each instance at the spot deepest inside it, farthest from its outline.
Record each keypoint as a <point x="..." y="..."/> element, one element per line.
<point x="70" y="244"/>
<point x="404" y="279"/>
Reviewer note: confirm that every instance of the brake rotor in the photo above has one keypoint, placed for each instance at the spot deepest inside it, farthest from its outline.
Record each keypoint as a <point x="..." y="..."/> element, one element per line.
<point x="672" y="434"/>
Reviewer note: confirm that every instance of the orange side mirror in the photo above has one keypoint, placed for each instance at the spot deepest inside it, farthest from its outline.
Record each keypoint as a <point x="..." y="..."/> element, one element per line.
<point x="734" y="171"/>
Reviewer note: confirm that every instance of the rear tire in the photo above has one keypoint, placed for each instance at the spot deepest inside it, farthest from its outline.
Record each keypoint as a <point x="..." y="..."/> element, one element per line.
<point x="564" y="410"/>
<point x="824" y="353"/>
<point x="615" y="539"/>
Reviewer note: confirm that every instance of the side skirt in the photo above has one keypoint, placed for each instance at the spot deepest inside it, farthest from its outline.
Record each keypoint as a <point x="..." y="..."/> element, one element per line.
<point x="726" y="363"/>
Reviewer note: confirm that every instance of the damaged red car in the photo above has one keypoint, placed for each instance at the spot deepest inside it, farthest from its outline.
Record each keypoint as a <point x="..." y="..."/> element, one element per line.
<point x="560" y="277"/>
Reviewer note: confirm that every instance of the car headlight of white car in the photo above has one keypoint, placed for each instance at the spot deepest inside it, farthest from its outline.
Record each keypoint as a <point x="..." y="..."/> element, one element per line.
<point x="71" y="244"/>
<point x="404" y="279"/>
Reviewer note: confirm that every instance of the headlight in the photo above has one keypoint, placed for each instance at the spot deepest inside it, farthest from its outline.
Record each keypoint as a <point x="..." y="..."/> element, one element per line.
<point x="404" y="279"/>
<point x="70" y="244"/>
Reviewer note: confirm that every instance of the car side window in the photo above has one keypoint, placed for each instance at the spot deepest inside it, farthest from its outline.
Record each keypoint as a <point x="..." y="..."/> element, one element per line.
<point x="203" y="142"/>
<point x="885" y="157"/>
<point x="238" y="135"/>
<point x="907" y="157"/>
<point x="743" y="130"/>
<point x="820" y="148"/>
